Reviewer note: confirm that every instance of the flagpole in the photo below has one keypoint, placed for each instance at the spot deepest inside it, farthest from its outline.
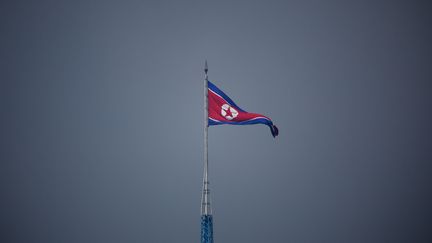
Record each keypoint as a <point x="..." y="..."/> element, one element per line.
<point x="206" y="205"/>
<point x="206" y="212"/>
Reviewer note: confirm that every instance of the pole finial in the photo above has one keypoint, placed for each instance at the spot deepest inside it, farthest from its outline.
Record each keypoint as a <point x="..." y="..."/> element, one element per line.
<point x="205" y="67"/>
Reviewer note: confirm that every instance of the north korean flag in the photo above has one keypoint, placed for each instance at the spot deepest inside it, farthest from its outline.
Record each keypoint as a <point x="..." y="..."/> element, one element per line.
<point x="222" y="110"/>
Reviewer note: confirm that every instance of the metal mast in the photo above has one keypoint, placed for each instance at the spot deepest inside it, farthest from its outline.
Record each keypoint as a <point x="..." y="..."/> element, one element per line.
<point x="206" y="212"/>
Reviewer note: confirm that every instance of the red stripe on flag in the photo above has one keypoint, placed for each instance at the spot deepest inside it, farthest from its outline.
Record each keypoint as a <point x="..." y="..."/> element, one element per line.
<point x="215" y="110"/>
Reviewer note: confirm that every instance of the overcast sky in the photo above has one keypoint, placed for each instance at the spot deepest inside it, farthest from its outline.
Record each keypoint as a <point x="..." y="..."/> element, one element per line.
<point x="101" y="129"/>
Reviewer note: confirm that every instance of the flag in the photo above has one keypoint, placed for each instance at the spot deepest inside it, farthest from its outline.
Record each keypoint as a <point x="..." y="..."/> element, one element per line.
<point x="222" y="110"/>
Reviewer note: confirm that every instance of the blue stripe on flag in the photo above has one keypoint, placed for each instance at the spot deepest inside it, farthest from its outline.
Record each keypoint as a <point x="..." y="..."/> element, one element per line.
<point x="223" y="95"/>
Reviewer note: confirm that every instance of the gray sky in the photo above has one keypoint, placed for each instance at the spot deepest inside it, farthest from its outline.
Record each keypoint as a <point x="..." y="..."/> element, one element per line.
<point x="101" y="120"/>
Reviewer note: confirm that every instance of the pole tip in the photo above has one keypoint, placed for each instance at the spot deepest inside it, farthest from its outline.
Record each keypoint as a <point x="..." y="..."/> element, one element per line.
<point x="205" y="67"/>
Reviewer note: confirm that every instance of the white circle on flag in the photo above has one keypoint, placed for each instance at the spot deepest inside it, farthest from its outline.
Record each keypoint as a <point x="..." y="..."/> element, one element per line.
<point x="228" y="112"/>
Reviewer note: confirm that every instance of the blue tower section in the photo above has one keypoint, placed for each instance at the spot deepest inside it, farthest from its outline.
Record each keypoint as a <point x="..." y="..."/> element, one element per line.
<point x="206" y="229"/>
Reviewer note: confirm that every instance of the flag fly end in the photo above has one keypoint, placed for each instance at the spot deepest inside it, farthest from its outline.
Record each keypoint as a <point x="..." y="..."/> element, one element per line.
<point x="274" y="130"/>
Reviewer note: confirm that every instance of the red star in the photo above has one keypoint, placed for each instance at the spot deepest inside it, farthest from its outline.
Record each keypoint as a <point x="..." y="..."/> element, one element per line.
<point x="228" y="111"/>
